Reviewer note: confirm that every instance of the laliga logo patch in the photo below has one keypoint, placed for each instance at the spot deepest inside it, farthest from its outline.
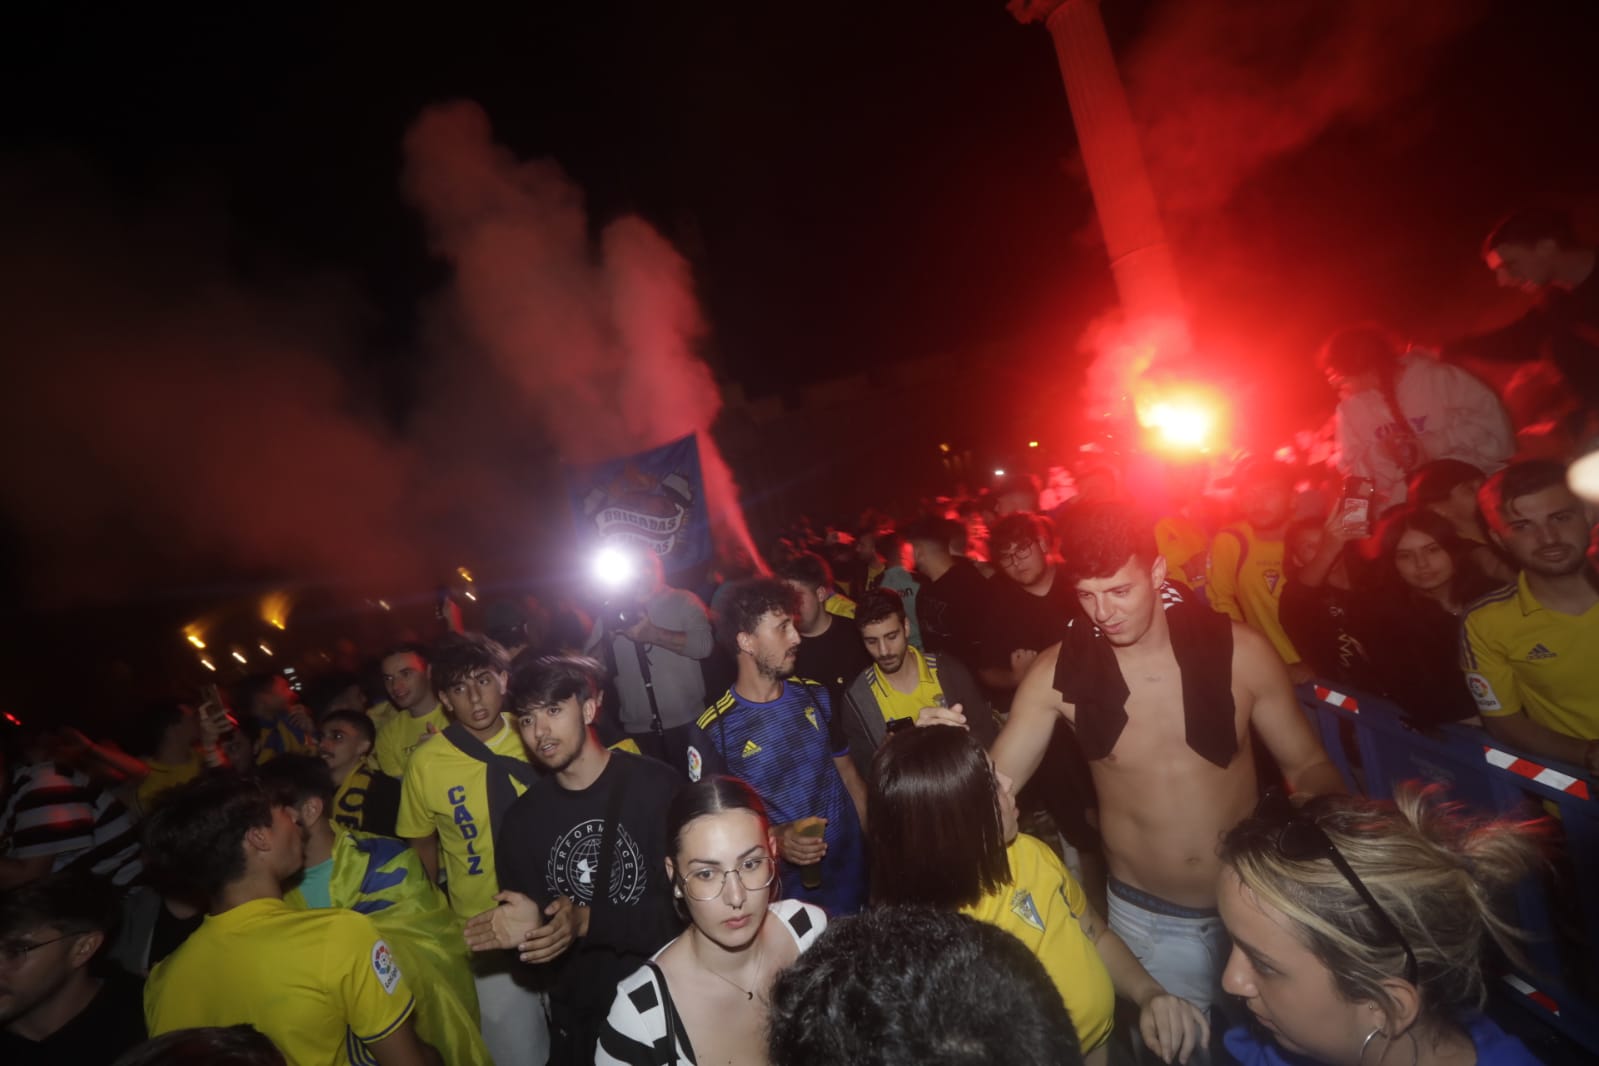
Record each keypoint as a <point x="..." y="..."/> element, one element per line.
<point x="696" y="764"/>
<point x="1482" y="692"/>
<point x="383" y="964"/>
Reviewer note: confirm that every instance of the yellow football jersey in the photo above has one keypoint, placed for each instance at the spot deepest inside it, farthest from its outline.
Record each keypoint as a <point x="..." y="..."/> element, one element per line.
<point x="445" y="791"/>
<point x="322" y="985"/>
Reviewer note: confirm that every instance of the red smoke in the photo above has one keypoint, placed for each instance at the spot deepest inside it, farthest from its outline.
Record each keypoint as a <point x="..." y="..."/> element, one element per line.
<point x="164" y="423"/>
<point x="596" y="335"/>
<point x="1222" y="91"/>
<point x="1222" y="88"/>
<point x="172" y="429"/>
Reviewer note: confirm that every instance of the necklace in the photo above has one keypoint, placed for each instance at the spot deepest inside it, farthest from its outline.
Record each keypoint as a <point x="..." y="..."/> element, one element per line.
<point x="749" y="994"/>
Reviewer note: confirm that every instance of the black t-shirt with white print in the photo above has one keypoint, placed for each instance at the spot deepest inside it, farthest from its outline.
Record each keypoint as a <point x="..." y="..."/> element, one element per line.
<point x="549" y="846"/>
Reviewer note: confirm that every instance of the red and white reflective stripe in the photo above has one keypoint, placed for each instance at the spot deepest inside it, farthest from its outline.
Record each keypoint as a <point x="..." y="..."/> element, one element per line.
<point x="1543" y="999"/>
<point x="1532" y="771"/>
<point x="1337" y="699"/>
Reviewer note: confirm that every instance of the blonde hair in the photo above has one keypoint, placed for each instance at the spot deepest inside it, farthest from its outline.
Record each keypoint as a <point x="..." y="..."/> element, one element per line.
<point x="1439" y="874"/>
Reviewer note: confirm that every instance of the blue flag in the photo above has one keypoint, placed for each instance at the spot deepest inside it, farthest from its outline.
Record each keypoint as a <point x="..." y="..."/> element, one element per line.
<point x="653" y="500"/>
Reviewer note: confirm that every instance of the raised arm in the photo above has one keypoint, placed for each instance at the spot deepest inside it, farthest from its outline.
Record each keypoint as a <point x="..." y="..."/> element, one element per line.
<point x="1277" y="716"/>
<point x="1519" y="342"/>
<point x="1035" y="712"/>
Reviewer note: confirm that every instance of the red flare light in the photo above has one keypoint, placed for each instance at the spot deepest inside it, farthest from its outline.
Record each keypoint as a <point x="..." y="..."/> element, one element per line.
<point x="1181" y="420"/>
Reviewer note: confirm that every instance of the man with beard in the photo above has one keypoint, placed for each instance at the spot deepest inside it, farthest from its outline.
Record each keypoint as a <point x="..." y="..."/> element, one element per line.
<point x="365" y="799"/>
<point x="902" y="682"/>
<point x="783" y="736"/>
<point x="417" y="716"/>
<point x="322" y="985"/>
<point x="54" y="1008"/>
<point x="457" y="790"/>
<point x="582" y="855"/>
<point x="1529" y="649"/>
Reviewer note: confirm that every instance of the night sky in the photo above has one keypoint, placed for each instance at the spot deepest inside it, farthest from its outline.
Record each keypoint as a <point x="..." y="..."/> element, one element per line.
<point x="851" y="184"/>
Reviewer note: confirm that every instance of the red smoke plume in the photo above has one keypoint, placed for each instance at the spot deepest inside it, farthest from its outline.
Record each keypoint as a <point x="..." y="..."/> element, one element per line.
<point x="172" y="429"/>
<point x="1222" y="88"/>
<point x="166" y="424"/>
<point x="597" y="335"/>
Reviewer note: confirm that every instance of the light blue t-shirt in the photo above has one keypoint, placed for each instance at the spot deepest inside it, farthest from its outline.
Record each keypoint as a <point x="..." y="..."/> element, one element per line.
<point x="316" y="886"/>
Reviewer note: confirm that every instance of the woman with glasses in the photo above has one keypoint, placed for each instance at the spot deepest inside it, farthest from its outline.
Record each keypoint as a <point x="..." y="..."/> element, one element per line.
<point x="1359" y="931"/>
<point x="942" y="827"/>
<point x="703" y="997"/>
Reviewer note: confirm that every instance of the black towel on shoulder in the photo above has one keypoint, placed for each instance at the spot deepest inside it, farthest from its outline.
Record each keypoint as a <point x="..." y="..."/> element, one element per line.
<point x="1088" y="677"/>
<point x="504" y="771"/>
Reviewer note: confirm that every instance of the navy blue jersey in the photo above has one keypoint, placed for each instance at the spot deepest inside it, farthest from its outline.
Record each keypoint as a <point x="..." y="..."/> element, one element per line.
<point x="785" y="750"/>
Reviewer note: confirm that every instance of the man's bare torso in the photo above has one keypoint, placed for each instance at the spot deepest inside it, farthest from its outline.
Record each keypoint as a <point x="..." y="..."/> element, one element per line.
<point x="1163" y="807"/>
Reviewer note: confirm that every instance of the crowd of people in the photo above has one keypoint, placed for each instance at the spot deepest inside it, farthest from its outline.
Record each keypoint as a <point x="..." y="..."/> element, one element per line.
<point x="943" y="790"/>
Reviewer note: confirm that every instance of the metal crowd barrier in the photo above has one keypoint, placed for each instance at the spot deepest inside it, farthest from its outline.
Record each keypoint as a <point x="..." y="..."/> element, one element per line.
<point x="1491" y="777"/>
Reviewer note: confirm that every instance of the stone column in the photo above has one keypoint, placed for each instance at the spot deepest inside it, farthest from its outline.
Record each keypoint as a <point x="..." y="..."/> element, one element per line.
<point x="1124" y="200"/>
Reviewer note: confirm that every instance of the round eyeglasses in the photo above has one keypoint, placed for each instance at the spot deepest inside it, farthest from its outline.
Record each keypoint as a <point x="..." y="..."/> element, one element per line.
<point x="708" y="882"/>
<point x="1011" y="558"/>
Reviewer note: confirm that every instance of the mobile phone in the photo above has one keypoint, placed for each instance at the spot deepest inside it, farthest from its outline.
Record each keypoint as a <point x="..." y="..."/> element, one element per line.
<point x="896" y="725"/>
<point x="1355" y="506"/>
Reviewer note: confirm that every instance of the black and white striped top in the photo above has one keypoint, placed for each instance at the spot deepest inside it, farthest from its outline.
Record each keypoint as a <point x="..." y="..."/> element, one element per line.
<point x="635" y="1032"/>
<point x="59" y="812"/>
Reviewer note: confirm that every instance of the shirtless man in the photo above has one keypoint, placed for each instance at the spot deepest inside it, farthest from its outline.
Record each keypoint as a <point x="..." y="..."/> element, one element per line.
<point x="1171" y="778"/>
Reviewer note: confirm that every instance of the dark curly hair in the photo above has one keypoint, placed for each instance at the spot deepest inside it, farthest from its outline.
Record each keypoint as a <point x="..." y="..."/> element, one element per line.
<point x="912" y="986"/>
<point x="754" y="599"/>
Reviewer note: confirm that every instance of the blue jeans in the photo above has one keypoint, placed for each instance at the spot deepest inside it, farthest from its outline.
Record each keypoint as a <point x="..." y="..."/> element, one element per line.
<point x="1183" y="948"/>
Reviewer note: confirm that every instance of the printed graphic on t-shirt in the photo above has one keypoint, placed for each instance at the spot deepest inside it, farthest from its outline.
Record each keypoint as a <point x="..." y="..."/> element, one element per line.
<point x="574" y="864"/>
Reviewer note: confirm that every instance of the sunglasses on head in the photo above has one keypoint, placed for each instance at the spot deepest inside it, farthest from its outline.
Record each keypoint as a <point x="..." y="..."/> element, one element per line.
<point x="1298" y="838"/>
